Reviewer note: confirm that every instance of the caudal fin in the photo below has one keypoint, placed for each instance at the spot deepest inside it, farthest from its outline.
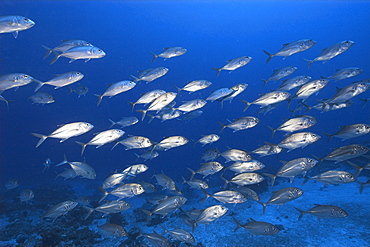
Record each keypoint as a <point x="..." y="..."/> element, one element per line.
<point x="90" y="210"/>
<point x="42" y="138"/>
<point x="301" y="213"/>
<point x="48" y="51"/>
<point x="273" y="131"/>
<point x="218" y="71"/>
<point x="270" y="56"/>
<point x="100" y="97"/>
<point x="328" y="135"/>
<point x="273" y="177"/>
<point x="310" y="62"/>
<point x="238" y="225"/>
<point x="83" y="147"/>
<point x="143" y="112"/>
<point x="247" y="104"/>
<point x="223" y="126"/>
<point x="105" y="193"/>
<point x="57" y="55"/>
<point x="154" y="57"/>
<point x="113" y="123"/>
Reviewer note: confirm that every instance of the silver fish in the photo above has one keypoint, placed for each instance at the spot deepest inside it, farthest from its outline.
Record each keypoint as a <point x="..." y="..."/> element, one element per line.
<point x="80" y="52"/>
<point x="166" y="116"/>
<point x="333" y="177"/>
<point x="350" y="91"/>
<point x="209" y="215"/>
<point x="267" y="149"/>
<point x="81" y="168"/>
<point x="62" y="80"/>
<point x="180" y="235"/>
<point x="147" y="155"/>
<point x="11" y="184"/>
<point x="283" y="196"/>
<point x="258" y="227"/>
<point x="109" y="208"/>
<point x="148" y="97"/>
<point x="245" y="166"/>
<point x="41" y="98"/>
<point x="236" y="155"/>
<point x="226" y="196"/>
<point x="113" y="180"/>
<point x="68" y="173"/>
<point x="60" y="209"/>
<point x="124" y="191"/>
<point x="345" y="73"/>
<point x="220" y="93"/>
<point x="150" y="74"/>
<point x="325" y="107"/>
<point x="238" y="89"/>
<point x="156" y="240"/>
<point x="295" y="124"/>
<point x="66" y="45"/>
<point x="246" y="178"/>
<point x="102" y="138"/>
<point x="26" y="195"/>
<point x="310" y="88"/>
<point x="125" y="122"/>
<point x="294" y="82"/>
<point x="134" y="170"/>
<point x="166" y="206"/>
<point x="299" y="140"/>
<point x="14" y="24"/>
<point x="207" y="139"/>
<point x="194" y="86"/>
<point x="241" y="124"/>
<point x="210" y="154"/>
<point x="66" y="131"/>
<point x="324" y="211"/>
<point x="14" y="80"/>
<point x="171" y="142"/>
<point x="248" y="193"/>
<point x="116" y="88"/>
<point x="350" y="131"/>
<point x="346" y="152"/>
<point x="81" y="90"/>
<point x="331" y="51"/>
<point x="268" y="99"/>
<point x="159" y="103"/>
<point x="165" y="181"/>
<point x="234" y="64"/>
<point x="170" y="52"/>
<point x="196" y="183"/>
<point x="207" y="169"/>
<point x="191" y="105"/>
<point x="191" y="115"/>
<point x="280" y="73"/>
<point x="289" y="49"/>
<point x="112" y="230"/>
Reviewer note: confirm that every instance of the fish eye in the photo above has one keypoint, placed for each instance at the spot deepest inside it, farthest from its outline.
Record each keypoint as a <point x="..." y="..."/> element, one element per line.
<point x="25" y="76"/>
<point x="25" y="19"/>
<point x="99" y="50"/>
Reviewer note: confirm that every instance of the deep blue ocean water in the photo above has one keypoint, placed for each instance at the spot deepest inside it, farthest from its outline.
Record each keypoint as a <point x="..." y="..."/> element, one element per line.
<point x="212" y="32"/>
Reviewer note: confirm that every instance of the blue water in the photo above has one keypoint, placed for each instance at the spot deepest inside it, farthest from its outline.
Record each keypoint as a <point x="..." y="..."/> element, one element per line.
<point x="212" y="32"/>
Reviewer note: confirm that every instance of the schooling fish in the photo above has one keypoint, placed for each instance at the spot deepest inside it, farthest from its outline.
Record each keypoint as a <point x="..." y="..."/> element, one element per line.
<point x="170" y="52"/>
<point x="280" y="73"/>
<point x="14" y="24"/>
<point x="116" y="88"/>
<point x="80" y="52"/>
<point x="234" y="64"/>
<point x="66" y="45"/>
<point x="150" y="74"/>
<point x="62" y="80"/>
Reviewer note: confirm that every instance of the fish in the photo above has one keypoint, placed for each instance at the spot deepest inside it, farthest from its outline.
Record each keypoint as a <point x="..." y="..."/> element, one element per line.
<point x="149" y="75"/>
<point x="15" y="80"/>
<point x="292" y="168"/>
<point x="225" y="196"/>
<point x="147" y="155"/>
<point x="180" y="235"/>
<point x="116" y="88"/>
<point x="258" y="227"/>
<point x="294" y="124"/>
<point x="62" y="80"/>
<point x="113" y="180"/>
<point x="331" y="52"/>
<point x="112" y="230"/>
<point x="345" y="73"/>
<point x="134" y="170"/>
<point x="66" y="174"/>
<point x="11" y="184"/>
<point x="66" y="45"/>
<point x="102" y="138"/>
<point x="81" y="168"/>
<point x="241" y="124"/>
<point x="41" y="98"/>
<point x="220" y="93"/>
<point x="166" y="206"/>
<point x="5" y="100"/>
<point x="124" y="122"/>
<point x="65" y="131"/>
<point x="350" y="131"/>
<point x="171" y="142"/>
<point x="309" y="89"/>
<point x="238" y="89"/>
<point x="194" y="86"/>
<point x="207" y="169"/>
<point x="47" y="164"/>
<point x="294" y="82"/>
<point x="84" y="201"/>
<point x="81" y="90"/>
<point x="333" y="177"/>
<point x="166" y="116"/>
<point x="245" y="166"/>
<point x="15" y="23"/>
<point x="289" y="49"/>
<point x="191" y="105"/>
<point x="80" y="52"/>
<point x="159" y="103"/>
<point x="325" y="107"/>
<point x="324" y="212"/>
<point x="234" y="64"/>
<point x="246" y="178"/>
<point x="248" y="193"/>
<point x="155" y="239"/>
<point x="299" y="140"/>
<point x="148" y="187"/>
<point x="170" y="52"/>
<point x="268" y="99"/>
<point x="267" y="149"/>
<point x="236" y="155"/>
<point x="60" y="209"/>
<point x="283" y="196"/>
<point x="196" y="183"/>
<point x="148" y="97"/>
<point x="210" y="154"/>
<point x="346" y="152"/>
<point x="267" y="108"/>
<point x="209" y="215"/>
<point x="124" y="191"/>
<point x="280" y="73"/>
<point x="26" y="195"/>
<point x="109" y="208"/>
<point x="207" y="139"/>
<point x="348" y="92"/>
<point x="191" y="115"/>
<point x="156" y="199"/>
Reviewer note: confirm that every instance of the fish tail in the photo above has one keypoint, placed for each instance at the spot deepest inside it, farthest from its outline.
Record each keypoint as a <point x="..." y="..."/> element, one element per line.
<point x="178" y="89"/>
<point x="238" y="225"/>
<point x="301" y="213"/>
<point x="138" y="157"/>
<point x="42" y="138"/>
<point x="144" y="113"/>
<point x="305" y="180"/>
<point x="273" y="131"/>
<point x="90" y="210"/>
<point x="328" y="135"/>
<point x="226" y="181"/>
<point x="100" y="97"/>
<point x="206" y="195"/>
<point x="193" y="225"/>
<point x="48" y="51"/>
<point x="365" y="102"/>
<point x="148" y="214"/>
<point x="70" y="90"/>
<point x="192" y="173"/>
<point x="113" y="123"/>
<point x="183" y="180"/>
<point x="135" y="78"/>
<point x="270" y="56"/>
<point x="310" y="62"/>
<point x="264" y="207"/>
<point x="105" y="193"/>
<point x="132" y="105"/>
<point x="358" y="168"/>
<point x="289" y="102"/>
<point x="264" y="81"/>
<point x="154" y="56"/>
<point x="218" y="71"/>
<point x="57" y="55"/>
<point x="65" y="161"/>
<point x="273" y="177"/>
<point x="223" y="126"/>
<point x="83" y="147"/>
<point x="117" y="142"/>
<point x="247" y="104"/>
<point x="151" y="118"/>
<point x="307" y="106"/>
<point x="319" y="159"/>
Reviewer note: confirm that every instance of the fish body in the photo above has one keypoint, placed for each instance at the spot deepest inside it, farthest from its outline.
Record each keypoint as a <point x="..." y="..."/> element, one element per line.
<point x="196" y="183"/>
<point x="258" y="227"/>
<point x="248" y="193"/>
<point x="166" y="116"/>
<point x="109" y="208"/>
<point x="191" y="115"/>
<point x="299" y="140"/>
<point x="159" y="103"/>
<point x="236" y="155"/>
<point x="207" y="169"/>
<point x="165" y="181"/>
<point x="66" y="174"/>
<point x="267" y="149"/>
<point x="283" y="196"/>
<point x="245" y="166"/>
<point x="192" y="105"/>
<point x="81" y="90"/>
<point x="11" y="184"/>
<point x="295" y="124"/>
<point x="171" y="142"/>
<point x="167" y="206"/>
<point x="112" y="230"/>
<point x="156" y="240"/>
<point x="125" y="122"/>
<point x="334" y="177"/>
<point x="310" y="88"/>
<point x="208" y="139"/>
<point x="41" y="98"/>
<point x="82" y="169"/>
<point x="325" y="107"/>
<point x="134" y="142"/>
<point x="195" y="85"/>
<point x="26" y="195"/>
<point x="350" y="131"/>
<point x="170" y="52"/>
<point x="113" y="180"/>
<point x="345" y="73"/>
<point x="226" y="196"/>
<point x="350" y="91"/>
<point x="124" y="191"/>
<point x="66" y="131"/>
<point x="347" y="152"/>
<point x="60" y="209"/>
<point x="14" y="80"/>
<point x="116" y="88"/>
<point x="294" y="82"/>
<point x="14" y="24"/>
<point x="66" y="45"/>
<point x="238" y="89"/>
<point x="324" y="212"/>
<point x="220" y="93"/>
<point x="241" y="124"/>
<point x="280" y="73"/>
<point x="268" y="99"/>
<point x="210" y="214"/>
<point x="332" y="51"/>
<point x="148" y="97"/>
<point x="210" y="154"/>
<point x="102" y="138"/>
<point x="62" y="80"/>
<point x="148" y="155"/>
<point x="80" y="52"/>
<point x="180" y="235"/>
<point x="149" y="75"/>
<point x="246" y="178"/>
<point x="234" y="64"/>
<point x="294" y="47"/>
